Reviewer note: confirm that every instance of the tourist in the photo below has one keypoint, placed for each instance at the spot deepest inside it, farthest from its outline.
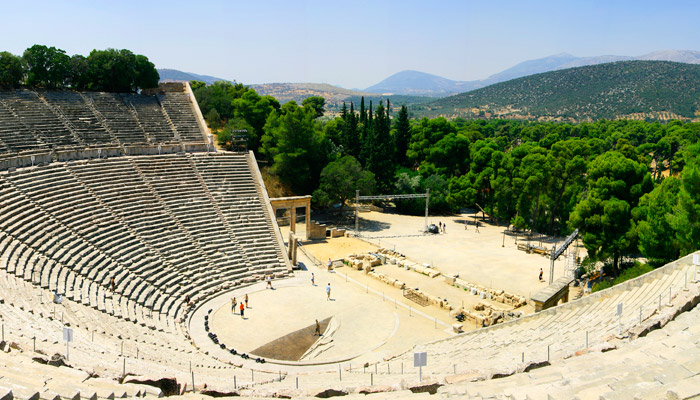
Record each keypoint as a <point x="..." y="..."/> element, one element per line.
<point x="187" y="300"/>
<point x="328" y="291"/>
<point x="477" y="226"/>
<point x="269" y="282"/>
<point x="318" y="329"/>
<point x="313" y="279"/>
<point x="111" y="283"/>
<point x="329" y="264"/>
<point x="242" y="309"/>
<point x="541" y="272"/>
<point x="246" y="300"/>
<point x="233" y="305"/>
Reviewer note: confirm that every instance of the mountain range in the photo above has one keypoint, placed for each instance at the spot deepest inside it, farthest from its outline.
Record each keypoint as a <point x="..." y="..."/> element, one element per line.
<point x="423" y="84"/>
<point x="637" y="89"/>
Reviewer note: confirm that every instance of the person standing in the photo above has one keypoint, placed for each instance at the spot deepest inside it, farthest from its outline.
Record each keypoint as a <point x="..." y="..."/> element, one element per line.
<point x="246" y="301"/>
<point x="328" y="291"/>
<point x="269" y="282"/>
<point x="313" y="279"/>
<point x="318" y="329"/>
<point x="233" y="304"/>
<point x="111" y="283"/>
<point x="242" y="309"/>
<point x="541" y="272"/>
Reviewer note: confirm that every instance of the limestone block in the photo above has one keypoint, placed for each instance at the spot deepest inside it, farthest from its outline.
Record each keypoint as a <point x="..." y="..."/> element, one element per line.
<point x="457" y="328"/>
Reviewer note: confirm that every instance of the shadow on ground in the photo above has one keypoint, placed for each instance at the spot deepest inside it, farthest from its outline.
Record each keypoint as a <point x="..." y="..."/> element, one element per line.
<point x="292" y="346"/>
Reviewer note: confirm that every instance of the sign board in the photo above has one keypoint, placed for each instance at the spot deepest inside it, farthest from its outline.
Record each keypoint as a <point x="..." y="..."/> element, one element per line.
<point x="420" y="359"/>
<point x="68" y="334"/>
<point x="696" y="259"/>
<point x="619" y="308"/>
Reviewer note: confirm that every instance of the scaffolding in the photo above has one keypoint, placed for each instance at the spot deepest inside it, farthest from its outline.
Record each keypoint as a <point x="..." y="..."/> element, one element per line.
<point x="358" y="198"/>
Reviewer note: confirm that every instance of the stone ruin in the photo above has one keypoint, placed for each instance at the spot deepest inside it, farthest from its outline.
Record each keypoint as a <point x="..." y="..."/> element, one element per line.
<point x="486" y="315"/>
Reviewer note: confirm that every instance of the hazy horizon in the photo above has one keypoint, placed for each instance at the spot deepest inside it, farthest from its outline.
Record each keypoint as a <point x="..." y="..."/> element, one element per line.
<point x="350" y="45"/>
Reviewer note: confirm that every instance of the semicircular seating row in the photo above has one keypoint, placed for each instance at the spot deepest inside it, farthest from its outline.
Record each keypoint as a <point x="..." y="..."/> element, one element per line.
<point x="34" y="121"/>
<point x="163" y="227"/>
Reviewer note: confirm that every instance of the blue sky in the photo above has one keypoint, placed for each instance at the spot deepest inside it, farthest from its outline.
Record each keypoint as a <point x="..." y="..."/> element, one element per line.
<point x="352" y="44"/>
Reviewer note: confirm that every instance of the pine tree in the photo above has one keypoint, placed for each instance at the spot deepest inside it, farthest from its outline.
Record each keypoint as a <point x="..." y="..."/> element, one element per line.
<point x="402" y="135"/>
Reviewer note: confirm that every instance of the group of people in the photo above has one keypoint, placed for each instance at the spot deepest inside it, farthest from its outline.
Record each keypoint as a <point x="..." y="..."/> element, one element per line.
<point x="243" y="305"/>
<point x="442" y="227"/>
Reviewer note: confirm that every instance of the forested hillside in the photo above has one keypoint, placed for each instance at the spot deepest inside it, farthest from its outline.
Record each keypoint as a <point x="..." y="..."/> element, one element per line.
<point x="657" y="90"/>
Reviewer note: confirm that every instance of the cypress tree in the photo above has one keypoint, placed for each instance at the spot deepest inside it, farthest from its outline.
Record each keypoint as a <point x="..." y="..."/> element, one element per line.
<point x="380" y="150"/>
<point x="388" y="114"/>
<point x="363" y="115"/>
<point x="402" y="135"/>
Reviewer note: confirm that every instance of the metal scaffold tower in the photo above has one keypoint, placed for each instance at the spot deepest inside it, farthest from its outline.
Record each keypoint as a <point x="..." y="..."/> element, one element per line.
<point x="358" y="198"/>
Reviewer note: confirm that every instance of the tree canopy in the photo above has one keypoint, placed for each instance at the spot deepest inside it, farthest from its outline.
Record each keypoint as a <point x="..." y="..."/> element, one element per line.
<point x="105" y="70"/>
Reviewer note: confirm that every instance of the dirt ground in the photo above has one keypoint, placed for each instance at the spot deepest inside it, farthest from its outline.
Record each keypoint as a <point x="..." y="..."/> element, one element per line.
<point x="489" y="257"/>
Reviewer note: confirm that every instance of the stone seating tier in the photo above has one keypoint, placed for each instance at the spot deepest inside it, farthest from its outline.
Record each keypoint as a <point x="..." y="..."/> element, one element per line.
<point x="149" y="222"/>
<point x="39" y="122"/>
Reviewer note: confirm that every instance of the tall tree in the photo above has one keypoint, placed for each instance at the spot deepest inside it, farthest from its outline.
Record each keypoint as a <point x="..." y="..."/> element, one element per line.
<point x="615" y="184"/>
<point x="316" y="103"/>
<point x="145" y="73"/>
<point x="340" y="179"/>
<point x="295" y="147"/>
<point x="11" y="70"/>
<point x="46" y="66"/>
<point x="78" y="77"/>
<point x="402" y="135"/>
<point x="380" y="150"/>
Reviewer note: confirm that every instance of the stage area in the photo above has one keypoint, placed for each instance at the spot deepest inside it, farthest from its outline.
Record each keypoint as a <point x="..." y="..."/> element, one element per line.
<point x="363" y="325"/>
<point x="487" y="257"/>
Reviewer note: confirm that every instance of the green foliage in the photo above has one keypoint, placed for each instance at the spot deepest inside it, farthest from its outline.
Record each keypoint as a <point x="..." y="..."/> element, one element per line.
<point x="78" y="77"/>
<point x="637" y="269"/>
<point x="104" y="70"/>
<point x="115" y="70"/>
<point x="254" y="110"/>
<point x="380" y="150"/>
<point x="402" y="135"/>
<point x="46" y="66"/>
<point x="615" y="184"/>
<point x="316" y="103"/>
<point x="294" y="145"/>
<point x="196" y="85"/>
<point x="213" y="119"/>
<point x="340" y="179"/>
<point x="11" y="70"/>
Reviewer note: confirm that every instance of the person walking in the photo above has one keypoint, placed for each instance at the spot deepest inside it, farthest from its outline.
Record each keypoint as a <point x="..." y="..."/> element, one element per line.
<point x="269" y="282"/>
<point x="328" y="291"/>
<point x="313" y="279"/>
<point x="318" y="329"/>
<point x="233" y="305"/>
<point x="242" y="309"/>
<point x="246" y="300"/>
<point x="541" y="273"/>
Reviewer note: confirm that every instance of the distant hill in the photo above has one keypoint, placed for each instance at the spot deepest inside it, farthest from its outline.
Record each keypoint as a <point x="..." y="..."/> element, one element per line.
<point x="626" y="89"/>
<point x="285" y="92"/>
<point x="417" y="83"/>
<point x="169" y="75"/>
<point x="420" y="83"/>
